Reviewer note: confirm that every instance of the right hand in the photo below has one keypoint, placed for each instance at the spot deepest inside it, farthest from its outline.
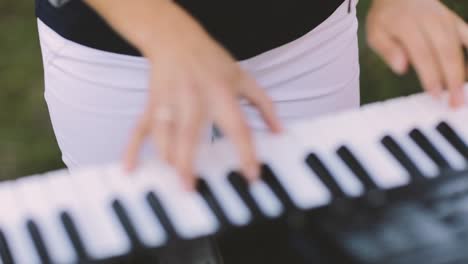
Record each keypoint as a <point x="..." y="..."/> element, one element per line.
<point x="193" y="81"/>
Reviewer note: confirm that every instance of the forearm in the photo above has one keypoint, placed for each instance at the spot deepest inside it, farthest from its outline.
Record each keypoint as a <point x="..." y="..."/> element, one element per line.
<point x="149" y="25"/>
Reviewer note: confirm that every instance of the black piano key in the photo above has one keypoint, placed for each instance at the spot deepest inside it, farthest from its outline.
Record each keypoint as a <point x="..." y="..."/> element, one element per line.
<point x="126" y="223"/>
<point x="160" y="212"/>
<point x="5" y="252"/>
<point x="453" y="138"/>
<point x="269" y="177"/>
<point x="400" y="155"/>
<point x="314" y="162"/>
<point x="205" y="191"/>
<point x="74" y="235"/>
<point x="356" y="167"/>
<point x="38" y="241"/>
<point x="423" y="142"/>
<point x="242" y="188"/>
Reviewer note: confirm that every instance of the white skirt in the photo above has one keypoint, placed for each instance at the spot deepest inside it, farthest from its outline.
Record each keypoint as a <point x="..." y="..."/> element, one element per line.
<point x="95" y="97"/>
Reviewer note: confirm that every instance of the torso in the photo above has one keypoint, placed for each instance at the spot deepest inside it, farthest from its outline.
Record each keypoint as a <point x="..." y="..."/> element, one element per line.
<point x="245" y="27"/>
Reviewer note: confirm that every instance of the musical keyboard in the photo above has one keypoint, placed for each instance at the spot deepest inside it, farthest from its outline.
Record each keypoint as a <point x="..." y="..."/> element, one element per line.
<point x="99" y="214"/>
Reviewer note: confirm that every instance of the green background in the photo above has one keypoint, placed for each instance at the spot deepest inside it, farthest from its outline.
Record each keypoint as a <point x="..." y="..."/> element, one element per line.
<point x="27" y="144"/>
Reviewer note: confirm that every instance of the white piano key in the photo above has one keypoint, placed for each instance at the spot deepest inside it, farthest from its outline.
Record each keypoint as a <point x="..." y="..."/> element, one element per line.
<point x="34" y="198"/>
<point x="146" y="224"/>
<point x="454" y="158"/>
<point x="340" y="172"/>
<point x="232" y="205"/>
<point x="383" y="167"/>
<point x="213" y="168"/>
<point x="458" y="121"/>
<point x="456" y="118"/>
<point x="266" y="199"/>
<point x="427" y="167"/>
<point x="364" y="143"/>
<point x="284" y="156"/>
<point x="93" y="232"/>
<point x="319" y="142"/>
<point x="188" y="211"/>
<point x="395" y="113"/>
<point x="98" y="198"/>
<point x="13" y="224"/>
<point x="430" y="112"/>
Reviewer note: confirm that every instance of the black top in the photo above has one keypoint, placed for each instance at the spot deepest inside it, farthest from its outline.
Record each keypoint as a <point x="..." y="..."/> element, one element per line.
<point x="245" y="27"/>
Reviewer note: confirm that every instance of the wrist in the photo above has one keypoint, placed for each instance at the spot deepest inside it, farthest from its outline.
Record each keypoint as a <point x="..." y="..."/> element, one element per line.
<point x="172" y="27"/>
<point x="149" y="25"/>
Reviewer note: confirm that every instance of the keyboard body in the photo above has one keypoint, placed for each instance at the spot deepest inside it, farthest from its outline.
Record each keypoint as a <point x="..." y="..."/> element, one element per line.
<point x="425" y="222"/>
<point x="382" y="184"/>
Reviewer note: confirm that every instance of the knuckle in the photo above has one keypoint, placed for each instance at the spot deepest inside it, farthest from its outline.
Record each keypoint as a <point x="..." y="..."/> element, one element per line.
<point x="403" y="24"/>
<point x="219" y="85"/>
<point x="447" y="47"/>
<point x="423" y="56"/>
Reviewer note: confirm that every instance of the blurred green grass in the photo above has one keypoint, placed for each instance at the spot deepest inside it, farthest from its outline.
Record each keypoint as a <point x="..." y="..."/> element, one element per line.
<point x="27" y="144"/>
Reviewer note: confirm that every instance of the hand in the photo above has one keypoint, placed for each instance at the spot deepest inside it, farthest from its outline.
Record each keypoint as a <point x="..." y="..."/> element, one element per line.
<point x="194" y="80"/>
<point x="426" y="34"/>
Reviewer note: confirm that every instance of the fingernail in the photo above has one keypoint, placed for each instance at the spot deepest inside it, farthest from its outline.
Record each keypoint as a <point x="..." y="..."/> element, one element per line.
<point x="457" y="99"/>
<point x="253" y="173"/>
<point x="398" y="64"/>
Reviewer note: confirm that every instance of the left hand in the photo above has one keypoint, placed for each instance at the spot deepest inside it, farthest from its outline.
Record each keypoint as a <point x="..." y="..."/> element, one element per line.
<point x="426" y="34"/>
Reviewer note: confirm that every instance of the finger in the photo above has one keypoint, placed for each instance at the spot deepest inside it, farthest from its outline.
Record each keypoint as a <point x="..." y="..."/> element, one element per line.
<point x="161" y="134"/>
<point x="463" y="32"/>
<point x="257" y="96"/>
<point x="136" y="140"/>
<point x="165" y="117"/>
<point x="232" y="122"/>
<point x="187" y="137"/>
<point x="389" y="49"/>
<point x="445" y="44"/>
<point x="422" y="59"/>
